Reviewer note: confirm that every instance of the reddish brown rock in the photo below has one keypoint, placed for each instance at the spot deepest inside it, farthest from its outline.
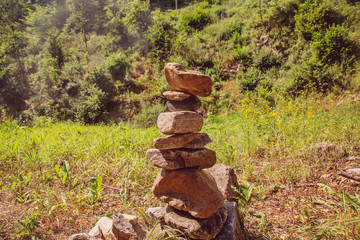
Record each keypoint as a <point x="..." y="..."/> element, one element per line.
<point x="176" y="95"/>
<point x="190" y="140"/>
<point x="188" y="81"/>
<point x="181" y="158"/>
<point x="96" y="232"/>
<point x="179" y="122"/>
<point x="225" y="179"/>
<point x="82" y="236"/>
<point x="193" y="227"/>
<point x="122" y="229"/>
<point x="105" y="224"/>
<point x="190" y="104"/>
<point x="156" y="214"/>
<point x="188" y="189"/>
<point x="138" y="225"/>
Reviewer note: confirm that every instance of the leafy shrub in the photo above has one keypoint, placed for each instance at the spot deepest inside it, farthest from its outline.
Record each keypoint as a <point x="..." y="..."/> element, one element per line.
<point x="316" y="16"/>
<point x="103" y="82"/>
<point x="196" y="19"/>
<point x="250" y="79"/>
<point x="89" y="107"/>
<point x="148" y="114"/>
<point x="234" y="27"/>
<point x="266" y="58"/>
<point x="334" y="46"/>
<point x="138" y="17"/>
<point x="159" y="35"/>
<point x="117" y="65"/>
<point x="314" y="76"/>
<point x="242" y="54"/>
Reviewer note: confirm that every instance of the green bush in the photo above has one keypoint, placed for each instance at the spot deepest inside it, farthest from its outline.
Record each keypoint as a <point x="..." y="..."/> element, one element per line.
<point x="334" y="46"/>
<point x="159" y="35"/>
<point x="242" y="54"/>
<point x="148" y="114"/>
<point x="314" y="76"/>
<point x="117" y="65"/>
<point x="316" y="16"/>
<point x="234" y="27"/>
<point x="103" y="82"/>
<point x="195" y="20"/>
<point x="266" y="58"/>
<point x="250" y="80"/>
<point x="90" y="107"/>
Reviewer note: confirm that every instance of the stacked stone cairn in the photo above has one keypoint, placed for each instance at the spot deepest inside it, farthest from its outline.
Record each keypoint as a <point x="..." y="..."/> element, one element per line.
<point x="195" y="204"/>
<point x="190" y="182"/>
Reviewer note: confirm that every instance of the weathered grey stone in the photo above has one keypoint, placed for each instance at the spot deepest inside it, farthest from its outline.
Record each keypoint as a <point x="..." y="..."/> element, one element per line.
<point x="81" y="236"/>
<point x="176" y="95"/>
<point x="188" y="189"/>
<point x="137" y="224"/>
<point x="188" y="81"/>
<point x="122" y="229"/>
<point x="190" y="104"/>
<point x="156" y="214"/>
<point x="179" y="122"/>
<point x="189" y="140"/>
<point x="225" y="178"/>
<point x="105" y="224"/>
<point x="196" y="228"/>
<point x="96" y="232"/>
<point x="181" y="158"/>
<point x="233" y="228"/>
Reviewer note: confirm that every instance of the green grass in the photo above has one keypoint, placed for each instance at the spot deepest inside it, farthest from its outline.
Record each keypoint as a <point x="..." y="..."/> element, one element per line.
<point x="56" y="177"/>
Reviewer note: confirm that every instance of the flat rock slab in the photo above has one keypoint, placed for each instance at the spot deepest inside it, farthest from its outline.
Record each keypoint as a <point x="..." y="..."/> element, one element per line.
<point x="225" y="178"/>
<point x="190" y="190"/>
<point x="182" y="158"/>
<point x="179" y="122"/>
<point x="190" y="104"/>
<point x="156" y="214"/>
<point x="176" y="95"/>
<point x="105" y="225"/>
<point x="193" y="227"/>
<point x="122" y="229"/>
<point x="233" y="228"/>
<point x="96" y="233"/>
<point x="192" y="82"/>
<point x="190" y="140"/>
<point x="82" y="236"/>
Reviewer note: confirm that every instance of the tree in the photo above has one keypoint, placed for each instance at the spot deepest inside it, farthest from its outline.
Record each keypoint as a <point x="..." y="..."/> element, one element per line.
<point x="83" y="15"/>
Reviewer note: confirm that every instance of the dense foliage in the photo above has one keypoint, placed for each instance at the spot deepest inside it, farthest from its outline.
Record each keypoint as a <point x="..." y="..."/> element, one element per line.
<point x="101" y="60"/>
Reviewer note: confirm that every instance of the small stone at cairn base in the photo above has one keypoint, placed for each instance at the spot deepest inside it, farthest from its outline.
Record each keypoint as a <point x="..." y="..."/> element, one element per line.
<point x="188" y="189"/>
<point x="196" y="228"/>
<point x="233" y="228"/>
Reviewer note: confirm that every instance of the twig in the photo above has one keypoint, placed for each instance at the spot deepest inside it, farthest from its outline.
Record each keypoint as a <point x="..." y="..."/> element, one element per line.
<point x="352" y="173"/>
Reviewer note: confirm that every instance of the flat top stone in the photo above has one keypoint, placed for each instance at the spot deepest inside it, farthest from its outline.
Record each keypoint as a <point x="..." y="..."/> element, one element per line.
<point x="193" y="82"/>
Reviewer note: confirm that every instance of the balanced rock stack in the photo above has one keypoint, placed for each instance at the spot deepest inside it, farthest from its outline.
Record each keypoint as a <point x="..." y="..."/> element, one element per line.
<point x="195" y="204"/>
